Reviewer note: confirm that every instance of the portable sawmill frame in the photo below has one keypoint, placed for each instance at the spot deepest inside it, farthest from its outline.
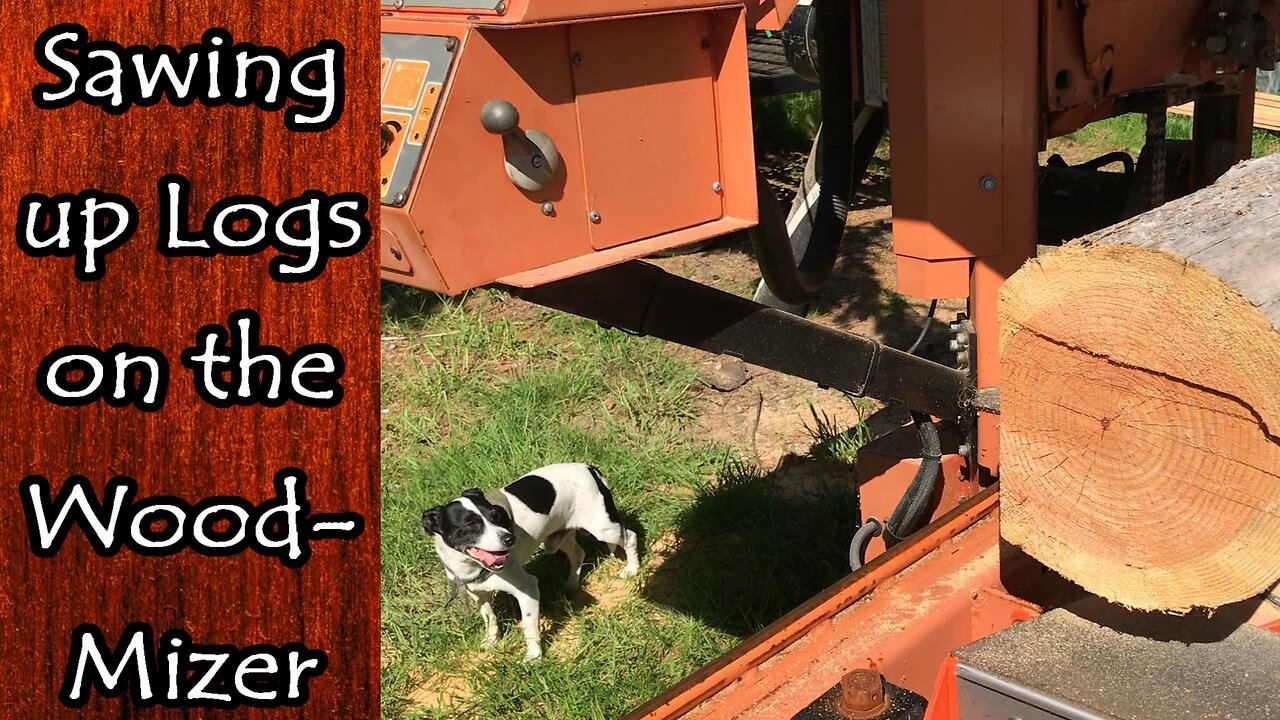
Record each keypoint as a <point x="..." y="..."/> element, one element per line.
<point x="544" y="146"/>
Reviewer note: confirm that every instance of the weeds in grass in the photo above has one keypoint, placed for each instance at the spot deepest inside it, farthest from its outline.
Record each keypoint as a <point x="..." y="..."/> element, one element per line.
<point x="834" y="443"/>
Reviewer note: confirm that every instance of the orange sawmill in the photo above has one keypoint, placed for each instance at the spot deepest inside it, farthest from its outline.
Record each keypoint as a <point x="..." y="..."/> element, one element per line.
<point x="1082" y="519"/>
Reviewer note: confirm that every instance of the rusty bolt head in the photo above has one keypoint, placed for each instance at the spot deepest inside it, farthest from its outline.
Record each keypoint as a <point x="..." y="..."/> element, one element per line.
<point x="862" y="695"/>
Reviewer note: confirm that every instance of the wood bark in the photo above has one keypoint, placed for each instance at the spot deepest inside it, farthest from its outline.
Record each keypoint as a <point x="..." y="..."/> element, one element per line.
<point x="1140" y="426"/>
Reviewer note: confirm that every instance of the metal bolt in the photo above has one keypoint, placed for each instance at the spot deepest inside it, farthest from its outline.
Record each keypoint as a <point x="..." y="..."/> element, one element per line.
<point x="716" y="186"/>
<point x="862" y="695"/>
<point x="501" y="8"/>
<point x="548" y="209"/>
<point x="988" y="183"/>
<point x="537" y="161"/>
<point x="451" y="44"/>
<point x="398" y="4"/>
<point x="594" y="217"/>
<point x="395" y="253"/>
<point x="399" y="198"/>
<point x="964" y="450"/>
<point x="577" y="58"/>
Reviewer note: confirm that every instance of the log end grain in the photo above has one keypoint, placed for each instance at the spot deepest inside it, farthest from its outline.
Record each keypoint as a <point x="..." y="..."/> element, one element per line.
<point x="1140" y="428"/>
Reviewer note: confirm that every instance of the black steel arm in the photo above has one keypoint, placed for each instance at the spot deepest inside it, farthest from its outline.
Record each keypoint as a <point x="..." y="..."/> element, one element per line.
<point x="641" y="298"/>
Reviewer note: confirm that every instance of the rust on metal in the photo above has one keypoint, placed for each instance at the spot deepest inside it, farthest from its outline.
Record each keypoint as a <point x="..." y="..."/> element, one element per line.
<point x="862" y="695"/>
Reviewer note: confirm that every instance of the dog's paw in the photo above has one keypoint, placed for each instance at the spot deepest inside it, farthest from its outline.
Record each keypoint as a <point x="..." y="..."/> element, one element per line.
<point x="629" y="571"/>
<point x="532" y="657"/>
<point x="489" y="643"/>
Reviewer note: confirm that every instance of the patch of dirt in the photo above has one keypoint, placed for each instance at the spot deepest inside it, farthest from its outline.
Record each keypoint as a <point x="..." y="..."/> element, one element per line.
<point x="440" y="691"/>
<point x="606" y="588"/>
<point x="770" y="417"/>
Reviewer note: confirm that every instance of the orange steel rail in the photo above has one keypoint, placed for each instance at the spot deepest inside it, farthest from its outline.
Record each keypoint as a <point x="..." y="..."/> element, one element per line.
<point x="783" y="632"/>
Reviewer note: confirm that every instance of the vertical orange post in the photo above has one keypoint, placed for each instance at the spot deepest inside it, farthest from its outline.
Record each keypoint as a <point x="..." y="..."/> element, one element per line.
<point x="966" y="129"/>
<point x="1021" y="127"/>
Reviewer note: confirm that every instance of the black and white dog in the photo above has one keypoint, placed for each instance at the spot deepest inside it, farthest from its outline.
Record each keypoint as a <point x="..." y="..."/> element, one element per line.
<point x="484" y="540"/>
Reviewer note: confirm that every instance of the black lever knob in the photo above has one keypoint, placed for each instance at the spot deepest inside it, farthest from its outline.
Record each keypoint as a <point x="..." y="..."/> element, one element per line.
<point x="499" y="117"/>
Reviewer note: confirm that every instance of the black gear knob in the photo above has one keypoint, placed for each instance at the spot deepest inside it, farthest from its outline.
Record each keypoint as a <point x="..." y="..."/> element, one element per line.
<point x="499" y="117"/>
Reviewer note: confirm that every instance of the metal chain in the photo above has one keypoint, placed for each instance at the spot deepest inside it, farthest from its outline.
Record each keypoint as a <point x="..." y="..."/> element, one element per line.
<point x="1157" y="125"/>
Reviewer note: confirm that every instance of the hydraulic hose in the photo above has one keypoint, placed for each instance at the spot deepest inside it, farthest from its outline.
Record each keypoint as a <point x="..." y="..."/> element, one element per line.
<point x="858" y="548"/>
<point x="913" y="508"/>
<point x="844" y="152"/>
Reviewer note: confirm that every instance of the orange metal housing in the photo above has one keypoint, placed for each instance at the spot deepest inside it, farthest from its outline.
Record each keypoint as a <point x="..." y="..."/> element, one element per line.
<point x="768" y="14"/>
<point x="651" y="117"/>
<point x="761" y="14"/>
<point x="902" y="614"/>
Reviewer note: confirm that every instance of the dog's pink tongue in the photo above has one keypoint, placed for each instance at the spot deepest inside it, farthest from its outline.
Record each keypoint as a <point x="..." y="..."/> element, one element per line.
<point x="487" y="557"/>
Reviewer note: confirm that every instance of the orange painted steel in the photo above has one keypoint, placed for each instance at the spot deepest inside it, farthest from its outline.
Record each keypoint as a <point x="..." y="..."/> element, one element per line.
<point x="760" y="14"/>
<point x="903" y="614"/>
<point x="651" y="118"/>
<point x="888" y="464"/>
<point x="649" y="106"/>
<point x="631" y="78"/>
<point x="739" y="667"/>
<point x="944" y="142"/>
<point x="769" y="14"/>
<point x="1101" y="49"/>
<point x="537" y="12"/>
<point x="965" y="142"/>
<point x="944" y="703"/>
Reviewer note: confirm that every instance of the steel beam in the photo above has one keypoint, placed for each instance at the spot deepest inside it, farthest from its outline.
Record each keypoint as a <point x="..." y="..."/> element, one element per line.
<point x="641" y="298"/>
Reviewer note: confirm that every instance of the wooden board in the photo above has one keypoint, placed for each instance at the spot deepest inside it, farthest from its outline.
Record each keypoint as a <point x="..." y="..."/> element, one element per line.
<point x="1266" y="111"/>
<point x="188" y="448"/>
<point x="1140" y="412"/>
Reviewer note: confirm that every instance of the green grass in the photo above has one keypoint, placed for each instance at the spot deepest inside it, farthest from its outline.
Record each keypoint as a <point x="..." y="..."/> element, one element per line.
<point x="477" y="392"/>
<point x="786" y="122"/>
<point x="1128" y="132"/>
<point x="834" y="443"/>
<point x="789" y="122"/>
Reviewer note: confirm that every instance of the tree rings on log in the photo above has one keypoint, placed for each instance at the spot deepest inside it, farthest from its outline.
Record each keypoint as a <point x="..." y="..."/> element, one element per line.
<point x="1140" y="401"/>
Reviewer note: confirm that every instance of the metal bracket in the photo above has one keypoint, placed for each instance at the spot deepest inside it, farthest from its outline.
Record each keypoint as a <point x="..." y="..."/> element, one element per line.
<point x="964" y="341"/>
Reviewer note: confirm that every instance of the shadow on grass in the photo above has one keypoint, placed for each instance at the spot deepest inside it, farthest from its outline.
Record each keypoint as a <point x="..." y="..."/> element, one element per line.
<point x="858" y="293"/>
<point x="754" y="546"/>
<point x="404" y="304"/>
<point x="560" y="604"/>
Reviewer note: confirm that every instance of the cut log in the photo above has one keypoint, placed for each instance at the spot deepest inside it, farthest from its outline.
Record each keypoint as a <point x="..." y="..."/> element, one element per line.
<point x="1140" y="410"/>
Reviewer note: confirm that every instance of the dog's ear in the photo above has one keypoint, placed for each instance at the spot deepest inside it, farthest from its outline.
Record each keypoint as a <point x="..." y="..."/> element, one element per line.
<point x="431" y="521"/>
<point x="473" y="494"/>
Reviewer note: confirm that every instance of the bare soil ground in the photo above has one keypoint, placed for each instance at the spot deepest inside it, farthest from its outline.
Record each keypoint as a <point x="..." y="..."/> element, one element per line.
<point x="773" y="414"/>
